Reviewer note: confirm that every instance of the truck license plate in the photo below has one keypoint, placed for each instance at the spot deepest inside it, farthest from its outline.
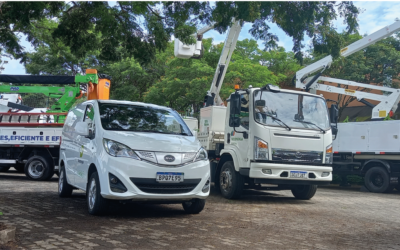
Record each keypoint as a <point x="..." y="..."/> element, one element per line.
<point x="298" y="174"/>
<point x="169" y="177"/>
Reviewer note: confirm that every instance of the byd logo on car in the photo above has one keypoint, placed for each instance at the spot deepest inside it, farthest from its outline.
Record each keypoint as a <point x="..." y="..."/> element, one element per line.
<point x="169" y="158"/>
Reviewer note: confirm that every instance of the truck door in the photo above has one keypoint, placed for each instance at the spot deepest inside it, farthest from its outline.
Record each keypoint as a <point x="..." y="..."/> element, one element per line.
<point x="238" y="142"/>
<point x="87" y="148"/>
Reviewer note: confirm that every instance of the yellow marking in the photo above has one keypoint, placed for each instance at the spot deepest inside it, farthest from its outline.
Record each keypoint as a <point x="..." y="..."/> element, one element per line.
<point x="382" y="113"/>
<point x="349" y="91"/>
<point x="343" y="50"/>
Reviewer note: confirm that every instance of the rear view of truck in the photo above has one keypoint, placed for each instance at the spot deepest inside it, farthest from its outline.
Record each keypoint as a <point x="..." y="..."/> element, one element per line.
<point x="32" y="118"/>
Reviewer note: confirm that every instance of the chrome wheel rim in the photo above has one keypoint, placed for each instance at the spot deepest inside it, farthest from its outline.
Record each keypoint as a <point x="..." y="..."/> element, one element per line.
<point x="36" y="169"/>
<point x="226" y="180"/>
<point x="92" y="194"/>
<point x="60" y="181"/>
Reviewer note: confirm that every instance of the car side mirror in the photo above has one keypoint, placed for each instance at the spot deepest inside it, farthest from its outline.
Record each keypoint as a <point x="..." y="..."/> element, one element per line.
<point x="82" y="129"/>
<point x="334" y="113"/>
<point x="234" y="110"/>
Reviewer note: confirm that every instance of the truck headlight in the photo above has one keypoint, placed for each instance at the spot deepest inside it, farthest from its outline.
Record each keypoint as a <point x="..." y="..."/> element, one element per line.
<point x="201" y="155"/>
<point x="117" y="149"/>
<point x="261" y="151"/>
<point x="329" y="155"/>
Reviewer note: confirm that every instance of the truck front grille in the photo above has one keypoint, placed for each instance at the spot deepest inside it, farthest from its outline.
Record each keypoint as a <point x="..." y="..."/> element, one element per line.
<point x="286" y="155"/>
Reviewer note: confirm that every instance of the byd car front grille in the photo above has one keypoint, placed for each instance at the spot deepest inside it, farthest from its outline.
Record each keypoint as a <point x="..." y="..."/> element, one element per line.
<point x="153" y="187"/>
<point x="296" y="156"/>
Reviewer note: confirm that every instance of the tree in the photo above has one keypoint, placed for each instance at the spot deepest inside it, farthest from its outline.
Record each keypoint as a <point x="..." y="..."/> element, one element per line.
<point x="143" y="28"/>
<point x="376" y="64"/>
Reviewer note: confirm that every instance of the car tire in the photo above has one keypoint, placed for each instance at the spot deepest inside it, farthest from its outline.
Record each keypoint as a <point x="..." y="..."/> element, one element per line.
<point x="4" y="169"/>
<point x="377" y="180"/>
<point x="195" y="206"/>
<point x="304" y="192"/>
<point x="20" y="167"/>
<point x="64" y="189"/>
<point x="39" y="168"/>
<point x="231" y="183"/>
<point x="97" y="205"/>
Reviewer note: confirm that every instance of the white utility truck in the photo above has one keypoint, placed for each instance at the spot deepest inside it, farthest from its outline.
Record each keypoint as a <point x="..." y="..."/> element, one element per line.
<point x="369" y="149"/>
<point x="30" y="137"/>
<point x="265" y="135"/>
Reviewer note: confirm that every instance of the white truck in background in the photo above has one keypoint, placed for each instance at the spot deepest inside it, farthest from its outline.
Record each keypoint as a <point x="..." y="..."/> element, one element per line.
<point x="368" y="149"/>
<point x="265" y="135"/>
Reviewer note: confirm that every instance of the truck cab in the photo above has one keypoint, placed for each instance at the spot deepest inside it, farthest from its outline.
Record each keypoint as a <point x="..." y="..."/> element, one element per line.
<point x="269" y="136"/>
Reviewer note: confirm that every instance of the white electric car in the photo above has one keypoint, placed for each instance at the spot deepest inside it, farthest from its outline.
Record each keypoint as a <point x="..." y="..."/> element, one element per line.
<point x="132" y="151"/>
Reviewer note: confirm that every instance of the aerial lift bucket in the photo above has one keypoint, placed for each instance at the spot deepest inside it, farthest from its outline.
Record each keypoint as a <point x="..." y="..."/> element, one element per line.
<point x="100" y="91"/>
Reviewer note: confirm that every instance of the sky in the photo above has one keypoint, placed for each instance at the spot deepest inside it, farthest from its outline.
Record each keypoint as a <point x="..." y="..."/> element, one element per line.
<point x="375" y="15"/>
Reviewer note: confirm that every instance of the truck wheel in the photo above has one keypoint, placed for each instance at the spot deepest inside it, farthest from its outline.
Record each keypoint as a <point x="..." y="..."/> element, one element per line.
<point x="20" y="167"/>
<point x="377" y="180"/>
<point x="38" y="168"/>
<point x="97" y="205"/>
<point x="64" y="189"/>
<point x="4" y="168"/>
<point x="304" y="192"/>
<point x="397" y="187"/>
<point x="194" y="207"/>
<point x="230" y="182"/>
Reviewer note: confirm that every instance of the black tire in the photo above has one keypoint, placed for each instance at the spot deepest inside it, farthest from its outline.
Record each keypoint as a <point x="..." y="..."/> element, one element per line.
<point x="4" y="169"/>
<point x="98" y="205"/>
<point x="39" y="168"/>
<point x="64" y="189"/>
<point x="397" y="187"/>
<point x="194" y="207"/>
<point x="231" y="183"/>
<point x="377" y="180"/>
<point x="20" y="167"/>
<point x="304" y="192"/>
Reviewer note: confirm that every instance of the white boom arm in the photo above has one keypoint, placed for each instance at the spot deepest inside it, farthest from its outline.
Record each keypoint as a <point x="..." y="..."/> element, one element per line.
<point x="387" y="102"/>
<point x="189" y="51"/>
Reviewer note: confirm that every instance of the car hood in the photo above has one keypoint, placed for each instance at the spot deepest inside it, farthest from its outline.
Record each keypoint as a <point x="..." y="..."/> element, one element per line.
<point x="155" y="142"/>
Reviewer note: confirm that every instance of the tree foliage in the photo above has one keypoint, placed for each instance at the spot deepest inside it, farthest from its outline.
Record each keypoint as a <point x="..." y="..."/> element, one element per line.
<point x="140" y="29"/>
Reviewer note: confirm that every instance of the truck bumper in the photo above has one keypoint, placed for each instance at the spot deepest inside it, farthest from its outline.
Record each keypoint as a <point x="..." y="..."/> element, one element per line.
<point x="280" y="173"/>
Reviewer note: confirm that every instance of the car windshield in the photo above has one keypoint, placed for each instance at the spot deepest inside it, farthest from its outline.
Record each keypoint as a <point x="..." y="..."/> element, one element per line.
<point x="294" y="110"/>
<point x="126" y="117"/>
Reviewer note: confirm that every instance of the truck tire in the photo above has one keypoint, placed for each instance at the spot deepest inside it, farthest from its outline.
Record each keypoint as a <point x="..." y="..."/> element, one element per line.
<point x="304" y="192"/>
<point x="20" y="167"/>
<point x="97" y="205"/>
<point x="64" y="189"/>
<point x="39" y="168"/>
<point x="194" y="207"/>
<point x="4" y="169"/>
<point x="377" y="180"/>
<point x="397" y="187"/>
<point x="230" y="182"/>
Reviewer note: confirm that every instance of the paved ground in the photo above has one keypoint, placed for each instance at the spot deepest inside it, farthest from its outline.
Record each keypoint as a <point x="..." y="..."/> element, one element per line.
<point x="333" y="219"/>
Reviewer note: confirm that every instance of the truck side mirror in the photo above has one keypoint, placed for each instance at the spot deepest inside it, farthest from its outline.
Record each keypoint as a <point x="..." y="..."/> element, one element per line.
<point x="334" y="131"/>
<point x="234" y="111"/>
<point x="334" y="113"/>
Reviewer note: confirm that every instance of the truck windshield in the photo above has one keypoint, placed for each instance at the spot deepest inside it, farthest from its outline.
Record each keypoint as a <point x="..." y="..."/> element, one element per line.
<point x="297" y="111"/>
<point x="125" y="117"/>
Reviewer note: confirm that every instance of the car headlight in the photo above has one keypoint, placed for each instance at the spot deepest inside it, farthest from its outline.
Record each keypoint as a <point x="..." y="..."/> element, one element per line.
<point x="329" y="155"/>
<point x="201" y="155"/>
<point x="117" y="149"/>
<point x="261" y="151"/>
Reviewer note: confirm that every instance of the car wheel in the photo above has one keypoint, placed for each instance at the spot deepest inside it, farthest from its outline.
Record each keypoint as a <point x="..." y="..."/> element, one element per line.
<point x="64" y="189"/>
<point x="304" y="192"/>
<point x="195" y="206"/>
<point x="4" y="168"/>
<point x="377" y="180"/>
<point x="97" y="205"/>
<point x="230" y="182"/>
<point x="39" y="168"/>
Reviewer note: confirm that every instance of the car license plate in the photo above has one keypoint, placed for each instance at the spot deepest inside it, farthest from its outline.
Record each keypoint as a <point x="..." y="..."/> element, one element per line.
<point x="169" y="177"/>
<point x="298" y="174"/>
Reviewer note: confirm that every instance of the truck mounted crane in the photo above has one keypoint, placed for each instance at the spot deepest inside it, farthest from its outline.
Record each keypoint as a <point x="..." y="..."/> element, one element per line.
<point x="266" y="138"/>
<point x="368" y="149"/>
